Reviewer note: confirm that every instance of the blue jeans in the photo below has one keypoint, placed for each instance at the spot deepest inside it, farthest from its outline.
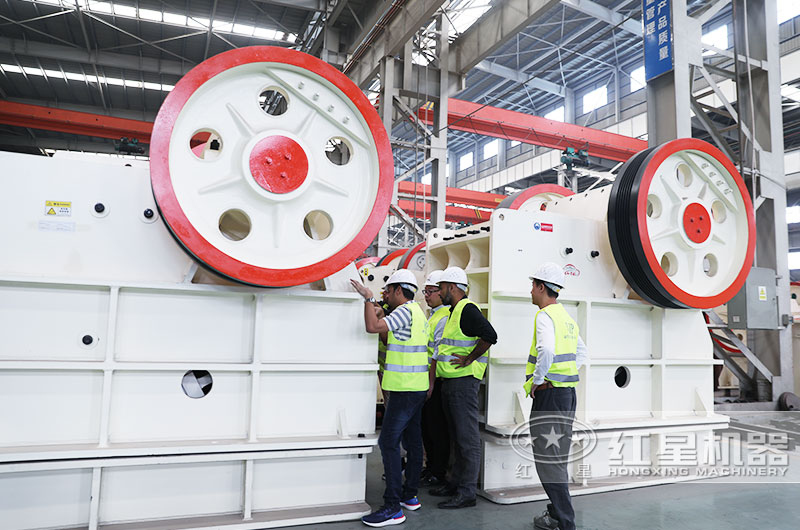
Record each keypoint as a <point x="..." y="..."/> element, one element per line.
<point x="402" y="422"/>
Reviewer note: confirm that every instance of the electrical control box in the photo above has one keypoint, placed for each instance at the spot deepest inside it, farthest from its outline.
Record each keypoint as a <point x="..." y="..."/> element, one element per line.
<point x="756" y="305"/>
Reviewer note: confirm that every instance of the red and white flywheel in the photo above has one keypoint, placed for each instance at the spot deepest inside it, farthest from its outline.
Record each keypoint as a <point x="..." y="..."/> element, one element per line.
<point x="681" y="225"/>
<point x="535" y="197"/>
<point x="270" y="166"/>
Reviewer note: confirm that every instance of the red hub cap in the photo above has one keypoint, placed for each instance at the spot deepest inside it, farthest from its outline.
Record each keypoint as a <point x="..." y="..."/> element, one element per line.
<point x="696" y="222"/>
<point x="278" y="164"/>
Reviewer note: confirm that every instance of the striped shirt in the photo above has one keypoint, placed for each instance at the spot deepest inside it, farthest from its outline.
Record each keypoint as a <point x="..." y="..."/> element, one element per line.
<point x="399" y="322"/>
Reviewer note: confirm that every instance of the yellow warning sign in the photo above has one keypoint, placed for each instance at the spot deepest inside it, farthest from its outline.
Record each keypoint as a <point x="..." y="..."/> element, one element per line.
<point x="58" y="208"/>
<point x="762" y="293"/>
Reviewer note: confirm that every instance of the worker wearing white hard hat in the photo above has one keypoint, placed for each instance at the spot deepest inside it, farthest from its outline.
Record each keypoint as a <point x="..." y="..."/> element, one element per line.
<point x="551" y="375"/>
<point x="435" y="436"/>
<point x="461" y="363"/>
<point x="405" y="381"/>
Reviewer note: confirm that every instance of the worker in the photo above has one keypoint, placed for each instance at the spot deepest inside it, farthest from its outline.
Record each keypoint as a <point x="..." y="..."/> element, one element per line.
<point x="405" y="381"/>
<point x="435" y="436"/>
<point x="551" y="375"/>
<point x="461" y="363"/>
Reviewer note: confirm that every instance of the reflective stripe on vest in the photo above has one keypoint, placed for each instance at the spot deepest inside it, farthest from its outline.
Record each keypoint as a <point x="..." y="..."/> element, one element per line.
<point x="460" y="343"/>
<point x="406" y="368"/>
<point x="455" y="343"/>
<point x="440" y="357"/>
<point x="406" y="348"/>
<point x="441" y="313"/>
<point x="564" y="357"/>
<point x="563" y="371"/>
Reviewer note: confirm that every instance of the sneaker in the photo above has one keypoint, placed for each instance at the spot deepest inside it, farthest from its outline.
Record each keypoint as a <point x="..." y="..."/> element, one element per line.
<point x="384" y="517"/>
<point x="411" y="504"/>
<point x="545" y="521"/>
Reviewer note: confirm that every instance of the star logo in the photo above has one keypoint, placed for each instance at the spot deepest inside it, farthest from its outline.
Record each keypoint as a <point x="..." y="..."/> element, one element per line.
<point x="552" y="438"/>
<point x="532" y="446"/>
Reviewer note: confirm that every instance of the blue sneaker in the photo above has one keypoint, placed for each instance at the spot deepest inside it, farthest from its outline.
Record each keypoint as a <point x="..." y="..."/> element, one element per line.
<point x="412" y="504"/>
<point x="384" y="517"/>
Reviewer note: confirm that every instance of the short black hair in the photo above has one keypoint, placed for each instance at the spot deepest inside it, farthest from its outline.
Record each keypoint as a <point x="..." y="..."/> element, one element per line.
<point x="408" y="294"/>
<point x="551" y="293"/>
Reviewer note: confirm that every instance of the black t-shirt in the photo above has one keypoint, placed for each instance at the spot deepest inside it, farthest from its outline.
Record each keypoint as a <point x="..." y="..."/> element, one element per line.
<point x="474" y="324"/>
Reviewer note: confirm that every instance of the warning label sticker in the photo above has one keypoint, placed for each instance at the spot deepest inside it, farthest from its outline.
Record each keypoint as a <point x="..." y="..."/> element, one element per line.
<point x="58" y="208"/>
<point x="544" y="227"/>
<point x="762" y="293"/>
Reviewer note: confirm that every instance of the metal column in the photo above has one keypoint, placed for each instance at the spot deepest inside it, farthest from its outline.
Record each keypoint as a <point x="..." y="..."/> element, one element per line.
<point x="439" y="139"/>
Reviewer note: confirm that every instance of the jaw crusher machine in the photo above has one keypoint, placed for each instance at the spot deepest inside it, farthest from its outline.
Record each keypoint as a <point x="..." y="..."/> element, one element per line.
<point x="138" y="390"/>
<point x="672" y="236"/>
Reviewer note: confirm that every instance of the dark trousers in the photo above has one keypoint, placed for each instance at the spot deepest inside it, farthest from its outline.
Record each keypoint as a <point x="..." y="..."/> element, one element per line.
<point x="402" y="422"/>
<point x="460" y="401"/>
<point x="435" y="435"/>
<point x="551" y="431"/>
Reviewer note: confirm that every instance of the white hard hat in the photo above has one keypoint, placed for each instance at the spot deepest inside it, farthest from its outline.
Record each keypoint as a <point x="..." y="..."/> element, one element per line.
<point x="433" y="278"/>
<point x="405" y="278"/>
<point x="551" y="274"/>
<point x="455" y="275"/>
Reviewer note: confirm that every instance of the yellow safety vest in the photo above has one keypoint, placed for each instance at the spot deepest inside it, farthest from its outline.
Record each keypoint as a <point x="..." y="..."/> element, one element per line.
<point x="381" y="355"/>
<point x="563" y="371"/>
<point x="441" y="312"/>
<point x="406" y="368"/>
<point x="382" y="349"/>
<point x="455" y="343"/>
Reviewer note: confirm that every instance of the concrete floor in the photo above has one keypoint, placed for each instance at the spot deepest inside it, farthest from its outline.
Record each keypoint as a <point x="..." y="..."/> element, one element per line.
<point x="689" y="506"/>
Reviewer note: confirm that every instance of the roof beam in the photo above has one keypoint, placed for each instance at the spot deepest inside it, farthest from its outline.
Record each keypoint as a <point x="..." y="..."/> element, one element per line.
<point x="63" y="53"/>
<point x="493" y="30"/>
<point x="605" y="14"/>
<point x="73" y="122"/>
<point x="402" y="21"/>
<point x="501" y="123"/>
<point x="519" y="77"/>
<point x="65" y="144"/>
<point x="306" y="5"/>
<point x="370" y="18"/>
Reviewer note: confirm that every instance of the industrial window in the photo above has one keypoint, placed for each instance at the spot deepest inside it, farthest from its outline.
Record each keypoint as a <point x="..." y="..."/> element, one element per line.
<point x="717" y="38"/>
<point x="464" y="14"/>
<point x="790" y="92"/>
<point x="595" y="99"/>
<point x="793" y="214"/>
<point x="178" y="19"/>
<point x="514" y="143"/>
<point x="794" y="261"/>
<point x="465" y="161"/>
<point x="637" y="79"/>
<point x="787" y="10"/>
<point x="490" y="149"/>
<point x="556" y="114"/>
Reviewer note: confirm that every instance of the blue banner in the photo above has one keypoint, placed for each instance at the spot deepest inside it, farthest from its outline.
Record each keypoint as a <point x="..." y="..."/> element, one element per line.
<point x="657" y="19"/>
